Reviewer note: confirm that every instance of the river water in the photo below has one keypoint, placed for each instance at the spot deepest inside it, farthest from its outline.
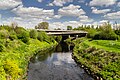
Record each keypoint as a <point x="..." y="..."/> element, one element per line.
<point x="56" y="64"/>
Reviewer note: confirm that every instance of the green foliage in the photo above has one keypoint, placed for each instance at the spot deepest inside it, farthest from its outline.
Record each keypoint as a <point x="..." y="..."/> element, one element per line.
<point x="69" y="27"/>
<point x="68" y="41"/>
<point x="12" y="37"/>
<point x="58" y="38"/>
<point x="15" y="54"/>
<point x="2" y="73"/>
<point x="100" y="56"/>
<point x="117" y="32"/>
<point x="106" y="36"/>
<point x="91" y="33"/>
<point x="1" y="47"/>
<point x="4" y="34"/>
<point x="33" y="34"/>
<point x="24" y="36"/>
<point x="42" y="25"/>
<point x="12" y="69"/>
<point x="104" y="32"/>
<point x="42" y="36"/>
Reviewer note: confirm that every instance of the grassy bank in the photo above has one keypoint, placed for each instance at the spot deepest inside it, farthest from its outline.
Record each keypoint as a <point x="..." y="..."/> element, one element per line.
<point x="17" y="46"/>
<point x="99" y="57"/>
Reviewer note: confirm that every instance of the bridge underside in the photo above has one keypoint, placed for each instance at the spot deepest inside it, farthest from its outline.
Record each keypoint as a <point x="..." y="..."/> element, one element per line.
<point x="73" y="36"/>
<point x="66" y="33"/>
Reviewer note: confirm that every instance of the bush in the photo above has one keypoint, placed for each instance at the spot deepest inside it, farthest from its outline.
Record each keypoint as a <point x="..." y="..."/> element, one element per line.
<point x="117" y="32"/>
<point x="33" y="34"/>
<point x="106" y="36"/>
<point x="106" y="33"/>
<point x="18" y="30"/>
<point x="24" y="36"/>
<point x="91" y="33"/>
<point x="12" y="69"/>
<point x="58" y="39"/>
<point x="12" y="37"/>
<point x="1" y="47"/>
<point x="42" y="36"/>
<point x="4" y="34"/>
<point x="2" y="73"/>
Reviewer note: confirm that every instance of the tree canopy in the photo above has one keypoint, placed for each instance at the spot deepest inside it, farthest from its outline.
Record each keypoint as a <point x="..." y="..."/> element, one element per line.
<point x="69" y="27"/>
<point x="42" y="25"/>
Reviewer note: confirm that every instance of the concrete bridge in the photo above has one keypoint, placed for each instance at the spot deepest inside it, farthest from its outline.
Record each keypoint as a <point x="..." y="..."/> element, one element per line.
<point x="66" y="33"/>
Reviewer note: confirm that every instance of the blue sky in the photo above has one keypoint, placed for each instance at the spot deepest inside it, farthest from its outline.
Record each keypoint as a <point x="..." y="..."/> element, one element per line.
<point x="59" y="13"/>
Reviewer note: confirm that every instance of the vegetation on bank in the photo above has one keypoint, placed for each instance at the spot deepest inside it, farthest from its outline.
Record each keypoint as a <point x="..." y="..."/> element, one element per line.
<point x="101" y="57"/>
<point x="17" y="45"/>
<point x="99" y="52"/>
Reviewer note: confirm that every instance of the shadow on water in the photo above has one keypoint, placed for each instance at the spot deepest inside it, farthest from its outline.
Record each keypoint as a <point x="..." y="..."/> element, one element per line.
<point x="56" y="64"/>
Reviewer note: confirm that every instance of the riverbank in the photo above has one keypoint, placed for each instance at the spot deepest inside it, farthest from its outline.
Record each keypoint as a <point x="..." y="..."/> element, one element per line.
<point x="14" y="61"/>
<point x="100" y="58"/>
<point x="17" y="46"/>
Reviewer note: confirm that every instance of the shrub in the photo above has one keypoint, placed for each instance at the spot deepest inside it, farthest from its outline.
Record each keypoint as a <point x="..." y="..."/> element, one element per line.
<point x="58" y="38"/>
<point x="33" y="34"/>
<point x="12" y="37"/>
<point x="4" y="34"/>
<point x="106" y="36"/>
<point x="106" y="33"/>
<point x="42" y="36"/>
<point x="91" y="33"/>
<point x="1" y="47"/>
<point x="24" y="36"/>
<point x="2" y="73"/>
<point x="18" y="30"/>
<point x="117" y="32"/>
<point x="12" y="69"/>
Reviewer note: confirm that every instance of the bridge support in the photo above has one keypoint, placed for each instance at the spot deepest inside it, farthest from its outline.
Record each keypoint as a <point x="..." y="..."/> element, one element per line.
<point x="76" y="36"/>
<point x="68" y="36"/>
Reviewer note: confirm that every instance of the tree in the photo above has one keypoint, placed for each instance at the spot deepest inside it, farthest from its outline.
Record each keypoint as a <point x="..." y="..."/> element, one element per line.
<point x="14" y="25"/>
<point x="33" y="34"/>
<point x="42" y="25"/>
<point x="69" y="27"/>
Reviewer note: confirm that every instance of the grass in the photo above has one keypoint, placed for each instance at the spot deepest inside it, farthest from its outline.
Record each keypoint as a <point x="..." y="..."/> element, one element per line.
<point x="108" y="45"/>
<point x="101" y="57"/>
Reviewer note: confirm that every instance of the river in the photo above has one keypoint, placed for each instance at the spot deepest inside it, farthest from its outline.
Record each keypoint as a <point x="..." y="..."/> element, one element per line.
<point x="56" y="64"/>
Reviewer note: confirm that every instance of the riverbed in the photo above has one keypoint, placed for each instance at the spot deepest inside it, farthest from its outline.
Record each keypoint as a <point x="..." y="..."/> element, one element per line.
<point x="56" y="64"/>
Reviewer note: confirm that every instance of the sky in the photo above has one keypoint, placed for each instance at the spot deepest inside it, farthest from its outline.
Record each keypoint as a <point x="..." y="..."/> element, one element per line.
<point x="59" y="13"/>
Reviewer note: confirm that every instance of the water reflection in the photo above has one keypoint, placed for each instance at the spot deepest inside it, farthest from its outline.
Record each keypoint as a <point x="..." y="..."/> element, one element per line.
<point x="56" y="64"/>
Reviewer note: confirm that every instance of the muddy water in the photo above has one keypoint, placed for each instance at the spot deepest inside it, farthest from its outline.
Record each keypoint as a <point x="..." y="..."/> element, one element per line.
<point x="56" y="65"/>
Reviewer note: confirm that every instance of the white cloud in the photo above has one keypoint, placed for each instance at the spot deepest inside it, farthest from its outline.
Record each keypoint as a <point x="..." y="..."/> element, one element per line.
<point x="39" y="0"/>
<point x="8" y="4"/>
<point x="118" y="4"/>
<point x="102" y="2"/>
<point x="57" y="16"/>
<point x="103" y="21"/>
<point x="85" y="19"/>
<point x="71" y="10"/>
<point x="31" y="16"/>
<point x="59" y="2"/>
<point x="33" y="12"/>
<point x="63" y="25"/>
<point x="23" y="22"/>
<point x="103" y="11"/>
<point x="113" y="15"/>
